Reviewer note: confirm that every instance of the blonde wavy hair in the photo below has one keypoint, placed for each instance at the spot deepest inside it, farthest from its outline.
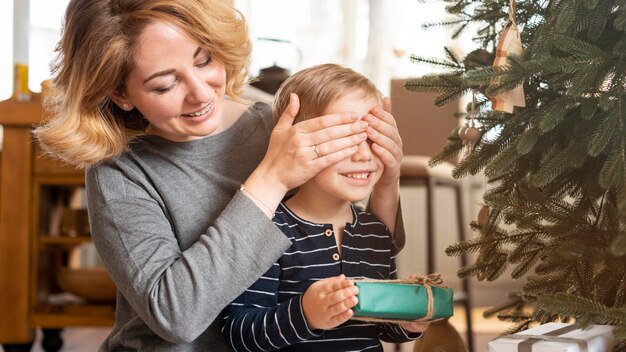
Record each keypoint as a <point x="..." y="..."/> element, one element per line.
<point x="319" y="86"/>
<point x="95" y="55"/>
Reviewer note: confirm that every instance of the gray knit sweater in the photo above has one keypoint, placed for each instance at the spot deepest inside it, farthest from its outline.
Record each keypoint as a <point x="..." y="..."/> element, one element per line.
<point x="178" y="238"/>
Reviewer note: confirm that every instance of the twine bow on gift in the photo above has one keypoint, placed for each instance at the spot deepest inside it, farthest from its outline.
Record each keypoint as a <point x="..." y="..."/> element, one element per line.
<point x="427" y="281"/>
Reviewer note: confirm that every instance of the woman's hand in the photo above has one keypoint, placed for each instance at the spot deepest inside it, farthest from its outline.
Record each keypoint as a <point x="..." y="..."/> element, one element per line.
<point x="387" y="144"/>
<point x="328" y="303"/>
<point x="298" y="152"/>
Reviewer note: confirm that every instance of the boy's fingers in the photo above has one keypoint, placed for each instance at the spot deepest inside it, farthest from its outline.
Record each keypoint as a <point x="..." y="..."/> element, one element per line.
<point x="336" y="283"/>
<point x="341" y="294"/>
<point x="343" y="305"/>
<point x="342" y="317"/>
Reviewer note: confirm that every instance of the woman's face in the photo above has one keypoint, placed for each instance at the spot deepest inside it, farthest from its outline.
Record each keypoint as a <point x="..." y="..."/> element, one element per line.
<point x="176" y="85"/>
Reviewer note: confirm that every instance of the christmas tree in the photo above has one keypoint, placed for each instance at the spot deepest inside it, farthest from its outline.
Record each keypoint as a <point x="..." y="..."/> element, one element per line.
<point x="555" y="165"/>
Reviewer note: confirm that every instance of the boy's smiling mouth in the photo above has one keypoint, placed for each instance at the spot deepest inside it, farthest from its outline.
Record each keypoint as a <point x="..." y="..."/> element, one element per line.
<point x="358" y="175"/>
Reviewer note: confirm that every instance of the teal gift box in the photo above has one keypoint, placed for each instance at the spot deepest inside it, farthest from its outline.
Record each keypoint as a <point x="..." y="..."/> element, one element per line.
<point x="402" y="300"/>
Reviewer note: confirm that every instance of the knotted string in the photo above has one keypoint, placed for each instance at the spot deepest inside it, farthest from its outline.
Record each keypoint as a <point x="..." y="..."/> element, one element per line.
<point x="427" y="281"/>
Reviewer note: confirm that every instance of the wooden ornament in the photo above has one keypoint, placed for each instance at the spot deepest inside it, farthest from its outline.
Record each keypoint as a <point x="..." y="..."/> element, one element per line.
<point x="483" y="215"/>
<point x="472" y="135"/>
<point x="509" y="43"/>
<point x="469" y="136"/>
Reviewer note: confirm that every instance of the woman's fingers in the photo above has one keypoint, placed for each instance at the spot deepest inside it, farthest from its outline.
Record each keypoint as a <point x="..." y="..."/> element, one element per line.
<point x="339" y="146"/>
<point x="326" y="121"/>
<point x="387" y="143"/>
<point x="381" y="122"/>
<point x="286" y="119"/>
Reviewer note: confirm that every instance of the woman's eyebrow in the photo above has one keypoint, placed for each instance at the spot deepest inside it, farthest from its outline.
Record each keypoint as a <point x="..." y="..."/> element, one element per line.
<point x="160" y="73"/>
<point x="170" y="71"/>
<point x="197" y="52"/>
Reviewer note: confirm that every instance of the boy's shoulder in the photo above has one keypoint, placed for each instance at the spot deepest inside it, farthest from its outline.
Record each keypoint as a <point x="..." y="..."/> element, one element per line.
<point x="365" y="218"/>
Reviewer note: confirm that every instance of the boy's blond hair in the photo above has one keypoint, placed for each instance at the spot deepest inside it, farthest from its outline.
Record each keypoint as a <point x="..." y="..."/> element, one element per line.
<point x="319" y="86"/>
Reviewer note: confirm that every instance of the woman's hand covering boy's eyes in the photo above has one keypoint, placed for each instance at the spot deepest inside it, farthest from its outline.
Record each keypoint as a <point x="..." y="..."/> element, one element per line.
<point x="386" y="142"/>
<point x="298" y="152"/>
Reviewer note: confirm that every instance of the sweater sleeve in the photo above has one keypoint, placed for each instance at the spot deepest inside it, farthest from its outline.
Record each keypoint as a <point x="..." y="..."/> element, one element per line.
<point x="395" y="333"/>
<point x="177" y="293"/>
<point x="398" y="238"/>
<point x="255" y="321"/>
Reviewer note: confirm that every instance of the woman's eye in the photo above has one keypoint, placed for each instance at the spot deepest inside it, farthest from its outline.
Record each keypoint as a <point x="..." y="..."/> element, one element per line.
<point x="163" y="90"/>
<point x="204" y="63"/>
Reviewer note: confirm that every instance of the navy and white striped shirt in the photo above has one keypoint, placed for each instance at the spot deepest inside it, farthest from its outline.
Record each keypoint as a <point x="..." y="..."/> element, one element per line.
<point x="269" y="315"/>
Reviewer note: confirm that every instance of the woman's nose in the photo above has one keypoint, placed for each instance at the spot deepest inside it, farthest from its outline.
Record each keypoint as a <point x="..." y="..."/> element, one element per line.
<point x="198" y="90"/>
<point x="364" y="153"/>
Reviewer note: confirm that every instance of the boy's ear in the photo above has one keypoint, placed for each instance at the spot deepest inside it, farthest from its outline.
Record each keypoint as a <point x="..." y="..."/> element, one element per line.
<point x="121" y="101"/>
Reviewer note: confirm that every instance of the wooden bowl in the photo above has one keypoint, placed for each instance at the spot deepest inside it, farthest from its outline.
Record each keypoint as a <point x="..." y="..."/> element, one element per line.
<point x="92" y="284"/>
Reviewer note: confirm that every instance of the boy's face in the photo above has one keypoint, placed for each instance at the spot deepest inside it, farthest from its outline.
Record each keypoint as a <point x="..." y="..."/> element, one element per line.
<point x="351" y="179"/>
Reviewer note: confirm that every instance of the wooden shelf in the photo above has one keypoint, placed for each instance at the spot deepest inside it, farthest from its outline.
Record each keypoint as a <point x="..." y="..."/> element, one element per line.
<point x="32" y="187"/>
<point x="64" y="240"/>
<point x="83" y="314"/>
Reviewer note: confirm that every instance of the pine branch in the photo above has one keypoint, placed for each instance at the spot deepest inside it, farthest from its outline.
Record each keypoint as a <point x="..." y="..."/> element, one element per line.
<point x="584" y="310"/>
<point x="455" y="66"/>
<point x="556" y="169"/>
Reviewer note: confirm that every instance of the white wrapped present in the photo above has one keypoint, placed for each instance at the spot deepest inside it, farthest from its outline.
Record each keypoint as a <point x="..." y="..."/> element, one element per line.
<point x="557" y="337"/>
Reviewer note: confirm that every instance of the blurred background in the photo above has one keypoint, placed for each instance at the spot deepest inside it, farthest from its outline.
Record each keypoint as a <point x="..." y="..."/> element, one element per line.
<point x="374" y="37"/>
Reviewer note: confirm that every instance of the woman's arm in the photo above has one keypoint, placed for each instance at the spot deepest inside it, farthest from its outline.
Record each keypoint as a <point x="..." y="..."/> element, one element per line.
<point x="178" y="292"/>
<point x="387" y="144"/>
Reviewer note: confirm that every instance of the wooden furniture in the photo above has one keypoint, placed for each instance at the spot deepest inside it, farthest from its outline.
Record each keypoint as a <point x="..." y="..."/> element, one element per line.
<point x="415" y="170"/>
<point x="424" y="127"/>
<point x="30" y="186"/>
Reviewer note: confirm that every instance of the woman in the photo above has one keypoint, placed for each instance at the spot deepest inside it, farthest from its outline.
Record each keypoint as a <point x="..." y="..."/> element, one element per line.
<point x="181" y="181"/>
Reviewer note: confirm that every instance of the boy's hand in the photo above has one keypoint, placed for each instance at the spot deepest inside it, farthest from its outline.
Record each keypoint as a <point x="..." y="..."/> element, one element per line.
<point x="416" y="326"/>
<point x="327" y="303"/>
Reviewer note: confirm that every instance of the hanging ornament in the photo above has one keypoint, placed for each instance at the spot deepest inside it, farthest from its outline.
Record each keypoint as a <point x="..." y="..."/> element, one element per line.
<point x="483" y="215"/>
<point x="509" y="43"/>
<point x="470" y="134"/>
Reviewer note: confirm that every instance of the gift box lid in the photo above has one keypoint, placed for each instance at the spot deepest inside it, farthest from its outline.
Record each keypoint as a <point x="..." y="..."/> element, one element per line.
<point x="389" y="300"/>
<point x="561" y="337"/>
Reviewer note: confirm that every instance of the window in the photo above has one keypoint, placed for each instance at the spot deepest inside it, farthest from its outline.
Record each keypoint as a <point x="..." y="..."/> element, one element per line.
<point x="374" y="37"/>
<point x="44" y="30"/>
<point x="6" y="49"/>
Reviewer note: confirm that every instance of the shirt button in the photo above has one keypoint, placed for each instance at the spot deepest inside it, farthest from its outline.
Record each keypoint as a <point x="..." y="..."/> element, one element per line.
<point x="328" y="232"/>
<point x="335" y="256"/>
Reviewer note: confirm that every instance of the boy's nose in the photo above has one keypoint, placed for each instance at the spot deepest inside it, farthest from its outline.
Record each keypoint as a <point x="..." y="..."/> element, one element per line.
<point x="364" y="153"/>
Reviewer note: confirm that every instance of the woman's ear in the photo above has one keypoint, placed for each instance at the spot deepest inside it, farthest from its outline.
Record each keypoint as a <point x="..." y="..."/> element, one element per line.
<point x="121" y="101"/>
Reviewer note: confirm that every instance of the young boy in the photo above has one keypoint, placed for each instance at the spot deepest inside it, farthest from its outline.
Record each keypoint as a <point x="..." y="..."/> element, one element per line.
<point x="304" y="302"/>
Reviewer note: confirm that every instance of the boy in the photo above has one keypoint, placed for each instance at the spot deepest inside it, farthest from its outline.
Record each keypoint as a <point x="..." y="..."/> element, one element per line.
<point x="304" y="301"/>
